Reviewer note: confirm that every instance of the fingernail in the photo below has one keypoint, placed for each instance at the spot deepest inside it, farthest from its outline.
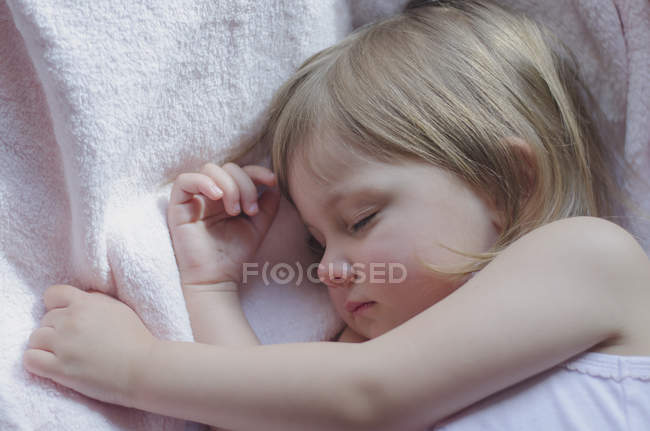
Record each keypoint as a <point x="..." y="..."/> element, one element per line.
<point x="252" y="208"/>
<point x="236" y="208"/>
<point x="216" y="190"/>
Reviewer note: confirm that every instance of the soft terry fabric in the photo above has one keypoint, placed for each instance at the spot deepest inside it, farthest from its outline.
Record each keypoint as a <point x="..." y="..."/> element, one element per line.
<point x="593" y="391"/>
<point x="103" y="103"/>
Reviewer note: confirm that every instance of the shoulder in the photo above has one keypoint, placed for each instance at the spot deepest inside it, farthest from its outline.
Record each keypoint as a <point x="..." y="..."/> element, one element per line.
<point x="589" y="240"/>
<point x="605" y="253"/>
<point x="616" y="271"/>
<point x="593" y="228"/>
<point x="588" y="260"/>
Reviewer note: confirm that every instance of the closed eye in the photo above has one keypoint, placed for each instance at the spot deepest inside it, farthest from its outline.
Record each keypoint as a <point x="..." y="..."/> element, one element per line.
<point x="361" y="223"/>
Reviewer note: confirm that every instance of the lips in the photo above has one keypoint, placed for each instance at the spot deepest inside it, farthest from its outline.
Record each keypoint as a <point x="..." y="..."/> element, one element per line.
<point x="352" y="306"/>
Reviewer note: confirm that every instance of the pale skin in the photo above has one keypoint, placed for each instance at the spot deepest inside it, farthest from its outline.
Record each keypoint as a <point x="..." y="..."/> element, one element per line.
<point x="537" y="304"/>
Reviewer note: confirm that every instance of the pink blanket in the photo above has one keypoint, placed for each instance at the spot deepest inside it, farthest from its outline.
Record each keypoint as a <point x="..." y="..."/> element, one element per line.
<point x="103" y="103"/>
<point x="611" y="41"/>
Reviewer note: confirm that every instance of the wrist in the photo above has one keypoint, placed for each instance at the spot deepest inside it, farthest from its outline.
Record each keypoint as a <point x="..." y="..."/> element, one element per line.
<point x="222" y="286"/>
<point x="136" y="395"/>
<point x="217" y="316"/>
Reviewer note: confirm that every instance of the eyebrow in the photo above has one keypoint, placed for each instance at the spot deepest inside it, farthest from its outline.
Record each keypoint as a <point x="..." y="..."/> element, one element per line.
<point x="336" y="196"/>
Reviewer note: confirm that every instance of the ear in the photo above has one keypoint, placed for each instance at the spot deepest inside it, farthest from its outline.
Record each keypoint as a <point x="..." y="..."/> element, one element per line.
<point x="496" y="215"/>
<point x="524" y="152"/>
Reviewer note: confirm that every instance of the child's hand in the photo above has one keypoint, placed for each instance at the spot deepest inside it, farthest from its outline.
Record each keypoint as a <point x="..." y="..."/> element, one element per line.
<point x="90" y="342"/>
<point x="212" y="238"/>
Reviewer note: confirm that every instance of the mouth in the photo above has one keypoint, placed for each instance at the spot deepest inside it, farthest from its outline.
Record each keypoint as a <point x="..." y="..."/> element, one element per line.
<point x="355" y="307"/>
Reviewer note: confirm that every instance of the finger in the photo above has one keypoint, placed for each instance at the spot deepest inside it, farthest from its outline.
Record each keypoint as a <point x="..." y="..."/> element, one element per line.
<point x="269" y="204"/>
<point x="100" y="295"/>
<point x="59" y="296"/>
<point x="247" y="190"/>
<point x="260" y="175"/>
<point x="225" y="182"/>
<point x="42" y="339"/>
<point x="189" y="184"/>
<point x="53" y="316"/>
<point x="40" y="362"/>
<point x="189" y="212"/>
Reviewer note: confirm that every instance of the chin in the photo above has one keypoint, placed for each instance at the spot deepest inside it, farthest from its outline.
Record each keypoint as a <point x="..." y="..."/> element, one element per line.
<point x="371" y="333"/>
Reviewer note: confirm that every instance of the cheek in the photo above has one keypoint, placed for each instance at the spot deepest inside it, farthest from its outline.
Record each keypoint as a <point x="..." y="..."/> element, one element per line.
<point x="419" y="290"/>
<point x="337" y="297"/>
<point x="387" y="248"/>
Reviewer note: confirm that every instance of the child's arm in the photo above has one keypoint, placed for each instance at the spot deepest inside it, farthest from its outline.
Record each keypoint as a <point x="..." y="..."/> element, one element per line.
<point x="98" y="346"/>
<point x="555" y="292"/>
<point x="217" y="221"/>
<point x="298" y="386"/>
<point x="217" y="316"/>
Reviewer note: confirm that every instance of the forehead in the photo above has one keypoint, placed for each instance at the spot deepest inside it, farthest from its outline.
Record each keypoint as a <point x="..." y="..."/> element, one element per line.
<point x="325" y="162"/>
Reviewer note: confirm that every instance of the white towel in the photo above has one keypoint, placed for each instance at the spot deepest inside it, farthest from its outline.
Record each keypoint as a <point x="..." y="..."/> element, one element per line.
<point x="103" y="103"/>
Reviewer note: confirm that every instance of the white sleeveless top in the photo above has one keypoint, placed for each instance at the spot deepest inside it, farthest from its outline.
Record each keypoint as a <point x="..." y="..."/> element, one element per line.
<point x="591" y="392"/>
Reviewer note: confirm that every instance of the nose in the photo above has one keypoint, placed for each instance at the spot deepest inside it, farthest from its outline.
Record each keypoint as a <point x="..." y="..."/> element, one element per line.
<point x="335" y="273"/>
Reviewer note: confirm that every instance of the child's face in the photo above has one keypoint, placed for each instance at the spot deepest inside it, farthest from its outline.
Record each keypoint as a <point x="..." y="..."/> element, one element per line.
<point x="414" y="205"/>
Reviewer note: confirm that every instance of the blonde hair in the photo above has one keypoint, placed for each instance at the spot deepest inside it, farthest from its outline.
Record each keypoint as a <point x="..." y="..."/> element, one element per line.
<point x="449" y="83"/>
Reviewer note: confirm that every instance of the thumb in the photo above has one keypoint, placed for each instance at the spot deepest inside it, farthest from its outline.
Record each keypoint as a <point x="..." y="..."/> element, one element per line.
<point x="268" y="204"/>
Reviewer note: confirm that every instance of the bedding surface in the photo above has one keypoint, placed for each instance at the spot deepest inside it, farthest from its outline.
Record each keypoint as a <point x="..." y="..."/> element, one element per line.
<point x="104" y="103"/>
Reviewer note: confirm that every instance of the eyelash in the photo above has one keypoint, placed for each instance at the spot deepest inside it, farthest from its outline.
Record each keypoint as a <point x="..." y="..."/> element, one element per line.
<point x="361" y="223"/>
<point x="315" y="246"/>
